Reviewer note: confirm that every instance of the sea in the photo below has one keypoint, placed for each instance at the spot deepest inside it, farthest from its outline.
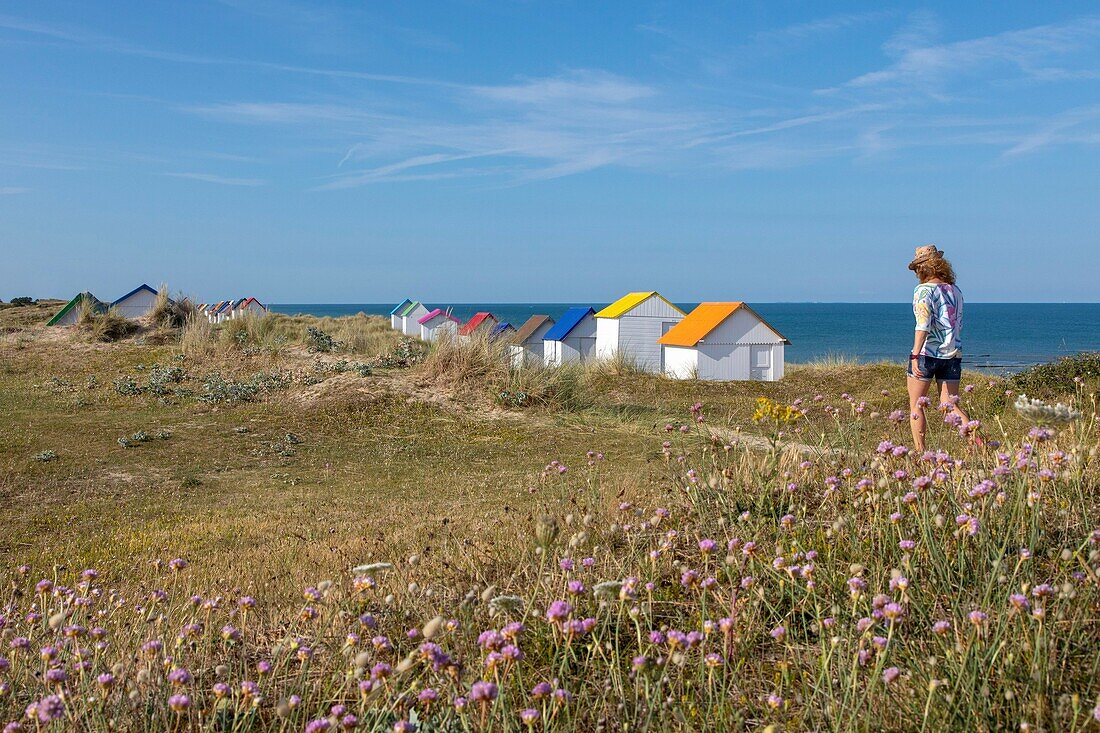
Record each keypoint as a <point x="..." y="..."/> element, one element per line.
<point x="997" y="337"/>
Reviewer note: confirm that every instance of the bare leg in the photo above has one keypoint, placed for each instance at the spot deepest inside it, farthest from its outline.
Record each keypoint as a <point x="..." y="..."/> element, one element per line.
<point x="917" y="422"/>
<point x="949" y="395"/>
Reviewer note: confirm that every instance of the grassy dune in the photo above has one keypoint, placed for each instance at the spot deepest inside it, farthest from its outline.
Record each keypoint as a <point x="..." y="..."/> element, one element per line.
<point x="567" y="550"/>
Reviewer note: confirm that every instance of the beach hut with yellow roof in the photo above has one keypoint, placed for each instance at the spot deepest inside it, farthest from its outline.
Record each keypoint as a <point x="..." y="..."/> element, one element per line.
<point x="723" y="342"/>
<point x="630" y="327"/>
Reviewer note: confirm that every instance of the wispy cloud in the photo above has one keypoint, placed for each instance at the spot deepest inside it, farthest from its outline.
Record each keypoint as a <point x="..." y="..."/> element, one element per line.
<point x="925" y="67"/>
<point x="12" y="190"/>
<point x="373" y="127"/>
<point x="107" y="44"/>
<point x="579" y="87"/>
<point x="282" y="113"/>
<point x="821" y="26"/>
<point x="1081" y="126"/>
<point x="220" y="180"/>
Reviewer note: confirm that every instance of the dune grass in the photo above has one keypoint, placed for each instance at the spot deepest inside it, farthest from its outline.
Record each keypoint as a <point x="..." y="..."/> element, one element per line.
<point x="732" y="584"/>
<point x="360" y="334"/>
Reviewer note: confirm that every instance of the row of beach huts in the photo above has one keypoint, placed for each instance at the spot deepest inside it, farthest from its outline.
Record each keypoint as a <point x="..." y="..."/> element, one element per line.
<point x="138" y="302"/>
<point x="720" y="341"/>
<point x="227" y="310"/>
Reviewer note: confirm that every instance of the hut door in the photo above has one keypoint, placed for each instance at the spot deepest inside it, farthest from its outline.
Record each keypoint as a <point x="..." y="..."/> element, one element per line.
<point x="666" y="326"/>
<point x="760" y="363"/>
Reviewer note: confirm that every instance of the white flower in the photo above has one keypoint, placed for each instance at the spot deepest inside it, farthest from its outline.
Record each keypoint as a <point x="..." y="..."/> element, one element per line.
<point x="373" y="567"/>
<point x="1038" y="411"/>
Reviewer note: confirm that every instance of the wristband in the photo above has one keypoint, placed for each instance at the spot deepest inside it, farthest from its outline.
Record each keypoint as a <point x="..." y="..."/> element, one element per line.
<point x="912" y="357"/>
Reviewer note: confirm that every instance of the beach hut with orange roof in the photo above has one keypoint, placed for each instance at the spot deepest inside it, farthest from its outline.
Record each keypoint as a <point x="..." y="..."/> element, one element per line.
<point x="630" y="327"/>
<point x="723" y="342"/>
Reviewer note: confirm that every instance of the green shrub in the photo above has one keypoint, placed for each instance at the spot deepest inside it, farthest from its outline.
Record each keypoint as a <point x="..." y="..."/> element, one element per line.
<point x="216" y="389"/>
<point x="1060" y="377"/>
<point x="318" y="341"/>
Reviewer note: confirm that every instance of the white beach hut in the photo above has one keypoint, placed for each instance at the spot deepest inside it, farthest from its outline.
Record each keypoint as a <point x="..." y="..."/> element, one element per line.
<point x="480" y="324"/>
<point x="395" y="314"/>
<point x="631" y="326"/>
<point x="527" y="345"/>
<point x="249" y="307"/>
<point x="572" y="338"/>
<point x="410" y="318"/>
<point x="70" y="314"/>
<point x="723" y="342"/>
<point x="136" y="303"/>
<point x="437" y="324"/>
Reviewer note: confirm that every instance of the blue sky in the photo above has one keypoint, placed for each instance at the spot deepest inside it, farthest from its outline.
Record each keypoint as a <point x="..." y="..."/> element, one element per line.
<point x="548" y="151"/>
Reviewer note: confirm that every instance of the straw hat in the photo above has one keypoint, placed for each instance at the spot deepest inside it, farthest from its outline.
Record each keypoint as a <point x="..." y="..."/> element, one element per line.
<point x="923" y="254"/>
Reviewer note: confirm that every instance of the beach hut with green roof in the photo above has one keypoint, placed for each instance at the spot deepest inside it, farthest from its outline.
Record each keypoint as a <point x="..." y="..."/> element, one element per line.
<point x="410" y="318"/>
<point x="70" y="313"/>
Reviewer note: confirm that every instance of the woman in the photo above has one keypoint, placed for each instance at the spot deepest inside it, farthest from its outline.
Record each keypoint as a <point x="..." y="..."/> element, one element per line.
<point x="937" y="343"/>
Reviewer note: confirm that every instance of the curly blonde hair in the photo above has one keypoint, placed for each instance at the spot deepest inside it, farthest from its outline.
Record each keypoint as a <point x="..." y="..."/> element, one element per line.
<point x="935" y="268"/>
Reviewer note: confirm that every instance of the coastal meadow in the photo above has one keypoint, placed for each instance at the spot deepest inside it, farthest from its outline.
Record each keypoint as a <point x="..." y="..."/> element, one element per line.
<point x="810" y="573"/>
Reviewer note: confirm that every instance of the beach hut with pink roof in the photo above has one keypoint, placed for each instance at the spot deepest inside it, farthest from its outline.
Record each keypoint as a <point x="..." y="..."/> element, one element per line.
<point x="438" y="324"/>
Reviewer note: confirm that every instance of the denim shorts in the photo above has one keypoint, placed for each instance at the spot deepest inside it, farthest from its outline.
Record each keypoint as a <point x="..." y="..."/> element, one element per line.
<point x="942" y="370"/>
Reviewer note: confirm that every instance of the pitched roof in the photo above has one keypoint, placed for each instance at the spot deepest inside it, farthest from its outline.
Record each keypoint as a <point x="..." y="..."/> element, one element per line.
<point x="474" y="322"/>
<point x="135" y="291"/>
<point x="568" y="321"/>
<point x="629" y="302"/>
<point x="529" y="327"/>
<point x="400" y="307"/>
<point x="433" y="314"/>
<point x="705" y="318"/>
<point x="98" y="305"/>
<point x="501" y="329"/>
<point x="410" y="308"/>
<point x="252" y="300"/>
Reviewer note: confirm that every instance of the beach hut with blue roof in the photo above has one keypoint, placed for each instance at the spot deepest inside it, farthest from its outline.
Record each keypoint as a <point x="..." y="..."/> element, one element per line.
<point x="572" y="338"/>
<point x="503" y="330"/>
<point x="395" y="315"/>
<point x="136" y="303"/>
<point x="221" y="313"/>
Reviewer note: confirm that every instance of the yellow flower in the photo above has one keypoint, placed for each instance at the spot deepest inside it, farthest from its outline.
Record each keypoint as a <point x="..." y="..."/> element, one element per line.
<point x="767" y="409"/>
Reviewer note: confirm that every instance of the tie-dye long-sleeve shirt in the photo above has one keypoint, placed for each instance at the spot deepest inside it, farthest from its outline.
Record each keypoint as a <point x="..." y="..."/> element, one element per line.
<point x="938" y="308"/>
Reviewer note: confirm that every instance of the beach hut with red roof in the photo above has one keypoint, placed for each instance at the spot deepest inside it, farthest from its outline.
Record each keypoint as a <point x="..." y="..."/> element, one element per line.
<point x="249" y="306"/>
<point x="723" y="342"/>
<point x="480" y="325"/>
